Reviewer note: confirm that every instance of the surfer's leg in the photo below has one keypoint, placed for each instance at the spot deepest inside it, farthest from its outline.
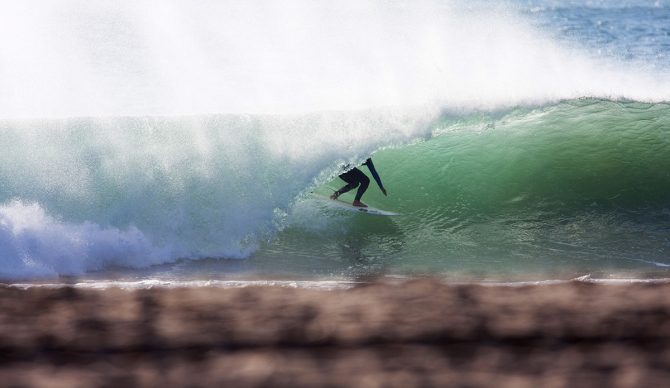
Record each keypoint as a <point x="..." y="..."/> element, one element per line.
<point x="352" y="179"/>
<point x="365" y="181"/>
<point x="344" y="189"/>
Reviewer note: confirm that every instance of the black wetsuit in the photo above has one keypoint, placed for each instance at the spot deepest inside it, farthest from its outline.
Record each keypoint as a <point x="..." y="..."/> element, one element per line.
<point x="356" y="178"/>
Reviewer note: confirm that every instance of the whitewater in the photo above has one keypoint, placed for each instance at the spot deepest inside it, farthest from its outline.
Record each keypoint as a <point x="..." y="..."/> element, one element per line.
<point x="184" y="139"/>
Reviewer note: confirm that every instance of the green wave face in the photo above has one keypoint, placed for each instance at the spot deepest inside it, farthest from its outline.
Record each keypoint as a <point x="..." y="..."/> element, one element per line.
<point x="579" y="186"/>
<point x="562" y="159"/>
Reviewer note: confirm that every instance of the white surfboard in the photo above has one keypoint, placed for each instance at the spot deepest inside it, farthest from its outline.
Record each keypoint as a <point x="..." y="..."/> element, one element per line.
<point x="356" y="209"/>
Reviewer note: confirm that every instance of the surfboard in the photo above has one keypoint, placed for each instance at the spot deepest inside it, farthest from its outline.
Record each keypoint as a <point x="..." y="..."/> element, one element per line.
<point x="347" y="206"/>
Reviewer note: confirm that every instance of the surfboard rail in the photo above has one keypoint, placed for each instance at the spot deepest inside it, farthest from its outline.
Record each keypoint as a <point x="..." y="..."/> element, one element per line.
<point x="347" y="206"/>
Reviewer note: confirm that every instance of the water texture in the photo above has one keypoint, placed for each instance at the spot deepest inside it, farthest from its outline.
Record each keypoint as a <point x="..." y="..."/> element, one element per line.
<point x="515" y="138"/>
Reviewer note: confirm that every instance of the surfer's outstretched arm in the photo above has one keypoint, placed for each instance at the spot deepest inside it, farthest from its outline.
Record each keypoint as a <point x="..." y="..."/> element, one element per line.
<point x="373" y="171"/>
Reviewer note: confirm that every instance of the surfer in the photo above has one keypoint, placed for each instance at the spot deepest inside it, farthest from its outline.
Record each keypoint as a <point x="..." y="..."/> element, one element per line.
<point x="356" y="178"/>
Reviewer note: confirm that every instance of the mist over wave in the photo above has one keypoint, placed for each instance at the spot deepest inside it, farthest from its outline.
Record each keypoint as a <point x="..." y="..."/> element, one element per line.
<point x="169" y="188"/>
<point x="80" y="58"/>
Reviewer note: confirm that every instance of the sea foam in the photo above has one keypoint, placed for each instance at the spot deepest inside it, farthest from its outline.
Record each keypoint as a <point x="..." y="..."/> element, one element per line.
<point x="35" y="244"/>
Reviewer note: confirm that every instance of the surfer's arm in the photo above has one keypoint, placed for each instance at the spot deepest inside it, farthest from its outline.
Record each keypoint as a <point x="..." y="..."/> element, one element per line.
<point x="373" y="171"/>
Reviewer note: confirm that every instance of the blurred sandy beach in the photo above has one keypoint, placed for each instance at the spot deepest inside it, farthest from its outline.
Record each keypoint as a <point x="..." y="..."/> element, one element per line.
<point x="416" y="333"/>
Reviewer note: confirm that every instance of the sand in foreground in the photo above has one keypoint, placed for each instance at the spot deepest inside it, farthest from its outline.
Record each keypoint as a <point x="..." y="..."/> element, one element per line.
<point x="419" y="333"/>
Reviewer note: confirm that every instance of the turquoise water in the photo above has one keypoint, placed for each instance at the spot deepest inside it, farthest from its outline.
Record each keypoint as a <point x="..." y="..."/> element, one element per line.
<point x="579" y="186"/>
<point x="524" y="140"/>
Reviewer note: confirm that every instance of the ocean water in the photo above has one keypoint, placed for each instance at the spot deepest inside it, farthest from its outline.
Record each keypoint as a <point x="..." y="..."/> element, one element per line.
<point x="525" y="140"/>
